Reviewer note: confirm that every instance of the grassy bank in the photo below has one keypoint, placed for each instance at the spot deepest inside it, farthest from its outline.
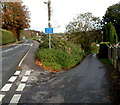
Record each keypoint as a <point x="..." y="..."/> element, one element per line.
<point x="63" y="54"/>
<point x="6" y="36"/>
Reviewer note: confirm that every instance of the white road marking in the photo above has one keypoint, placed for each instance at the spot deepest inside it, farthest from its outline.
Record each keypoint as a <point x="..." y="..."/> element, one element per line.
<point x="1" y="97"/>
<point x="12" y="79"/>
<point x="24" y="57"/>
<point x="21" y="87"/>
<point x="16" y="46"/>
<point x="31" y="44"/>
<point x="17" y="72"/>
<point x="8" y="50"/>
<point x="15" y="98"/>
<point x="6" y="87"/>
<point x="27" y="72"/>
<point x="26" y="44"/>
<point x="24" y="79"/>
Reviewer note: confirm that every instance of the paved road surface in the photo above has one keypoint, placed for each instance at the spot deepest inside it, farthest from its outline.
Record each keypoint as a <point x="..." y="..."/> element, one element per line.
<point x="87" y="83"/>
<point x="11" y="56"/>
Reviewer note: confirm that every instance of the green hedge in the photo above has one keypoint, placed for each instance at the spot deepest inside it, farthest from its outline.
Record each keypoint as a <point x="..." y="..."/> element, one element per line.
<point x="6" y="36"/>
<point x="63" y="54"/>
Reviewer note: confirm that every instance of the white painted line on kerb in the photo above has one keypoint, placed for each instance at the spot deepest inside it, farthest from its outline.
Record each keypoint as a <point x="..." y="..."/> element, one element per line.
<point x="12" y="79"/>
<point x="1" y="97"/>
<point x="17" y="72"/>
<point x="27" y="72"/>
<point x="24" y="79"/>
<point x="15" y="98"/>
<point x="6" y="87"/>
<point x="21" y="87"/>
<point x="24" y="57"/>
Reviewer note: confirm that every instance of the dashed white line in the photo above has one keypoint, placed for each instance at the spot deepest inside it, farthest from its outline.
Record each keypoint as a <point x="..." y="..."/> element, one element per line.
<point x="8" y="50"/>
<point x="12" y="79"/>
<point x="27" y="44"/>
<point x="24" y="79"/>
<point x="17" y="72"/>
<point x="16" y="46"/>
<point x="21" y="87"/>
<point x="6" y="87"/>
<point x="15" y="99"/>
<point x="1" y="97"/>
<point x="27" y="72"/>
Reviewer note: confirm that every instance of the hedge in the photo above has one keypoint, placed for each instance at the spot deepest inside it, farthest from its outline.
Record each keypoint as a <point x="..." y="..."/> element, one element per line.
<point x="6" y="36"/>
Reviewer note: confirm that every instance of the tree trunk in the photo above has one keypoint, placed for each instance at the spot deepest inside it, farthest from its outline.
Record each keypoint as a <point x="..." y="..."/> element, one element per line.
<point x="16" y="34"/>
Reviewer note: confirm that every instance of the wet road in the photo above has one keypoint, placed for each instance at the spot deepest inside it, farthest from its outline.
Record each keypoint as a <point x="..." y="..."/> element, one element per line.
<point x="86" y="83"/>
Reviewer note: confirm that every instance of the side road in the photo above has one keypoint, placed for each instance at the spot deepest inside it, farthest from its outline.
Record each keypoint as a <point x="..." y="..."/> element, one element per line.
<point x="86" y="83"/>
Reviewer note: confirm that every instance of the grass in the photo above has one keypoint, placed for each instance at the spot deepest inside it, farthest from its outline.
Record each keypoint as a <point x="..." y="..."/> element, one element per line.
<point x="63" y="54"/>
<point x="107" y="61"/>
<point x="94" y="48"/>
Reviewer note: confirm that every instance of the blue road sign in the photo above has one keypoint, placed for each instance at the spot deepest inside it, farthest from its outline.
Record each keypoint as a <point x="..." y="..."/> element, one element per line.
<point x="48" y="30"/>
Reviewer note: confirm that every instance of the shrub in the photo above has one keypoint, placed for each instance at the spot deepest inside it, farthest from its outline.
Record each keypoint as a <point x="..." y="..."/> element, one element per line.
<point x="63" y="54"/>
<point x="7" y="37"/>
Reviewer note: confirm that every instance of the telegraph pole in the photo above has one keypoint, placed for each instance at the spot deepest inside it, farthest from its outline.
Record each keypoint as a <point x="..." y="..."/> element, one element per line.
<point x="49" y="21"/>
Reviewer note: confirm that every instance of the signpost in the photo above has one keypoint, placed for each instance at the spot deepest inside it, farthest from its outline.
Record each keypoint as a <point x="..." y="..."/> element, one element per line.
<point x="48" y="30"/>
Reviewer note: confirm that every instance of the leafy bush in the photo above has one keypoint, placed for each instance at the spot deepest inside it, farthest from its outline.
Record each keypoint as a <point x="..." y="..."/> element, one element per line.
<point x="94" y="48"/>
<point x="7" y="37"/>
<point x="62" y="55"/>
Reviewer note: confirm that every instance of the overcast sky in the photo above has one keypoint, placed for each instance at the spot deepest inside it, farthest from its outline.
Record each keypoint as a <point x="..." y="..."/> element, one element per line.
<point x="63" y="11"/>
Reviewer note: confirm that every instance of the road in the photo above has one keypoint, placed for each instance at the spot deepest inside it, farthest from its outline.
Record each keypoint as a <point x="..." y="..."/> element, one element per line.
<point x="11" y="56"/>
<point x="86" y="83"/>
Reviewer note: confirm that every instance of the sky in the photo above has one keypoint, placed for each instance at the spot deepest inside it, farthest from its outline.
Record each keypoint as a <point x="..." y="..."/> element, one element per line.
<point x="63" y="11"/>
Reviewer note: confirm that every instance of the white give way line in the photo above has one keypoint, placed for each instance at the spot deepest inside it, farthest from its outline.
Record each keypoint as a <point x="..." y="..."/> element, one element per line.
<point x="20" y="87"/>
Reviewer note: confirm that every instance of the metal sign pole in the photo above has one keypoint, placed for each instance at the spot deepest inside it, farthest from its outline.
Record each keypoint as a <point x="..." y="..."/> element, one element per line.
<point x="49" y="41"/>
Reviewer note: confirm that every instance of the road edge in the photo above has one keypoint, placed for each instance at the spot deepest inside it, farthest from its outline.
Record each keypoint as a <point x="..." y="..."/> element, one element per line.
<point x="25" y="56"/>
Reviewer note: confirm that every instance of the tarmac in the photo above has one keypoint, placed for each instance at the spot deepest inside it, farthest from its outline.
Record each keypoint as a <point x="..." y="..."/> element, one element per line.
<point x="86" y="83"/>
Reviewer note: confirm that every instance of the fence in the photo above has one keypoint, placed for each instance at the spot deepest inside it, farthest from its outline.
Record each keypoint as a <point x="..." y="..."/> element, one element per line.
<point x="114" y="56"/>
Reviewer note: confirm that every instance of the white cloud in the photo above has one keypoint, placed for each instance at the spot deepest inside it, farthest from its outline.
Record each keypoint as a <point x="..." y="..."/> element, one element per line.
<point x="64" y="11"/>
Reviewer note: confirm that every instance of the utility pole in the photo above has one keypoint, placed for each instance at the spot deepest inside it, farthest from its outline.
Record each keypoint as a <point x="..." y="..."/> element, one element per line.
<point x="49" y="13"/>
<point x="49" y="21"/>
